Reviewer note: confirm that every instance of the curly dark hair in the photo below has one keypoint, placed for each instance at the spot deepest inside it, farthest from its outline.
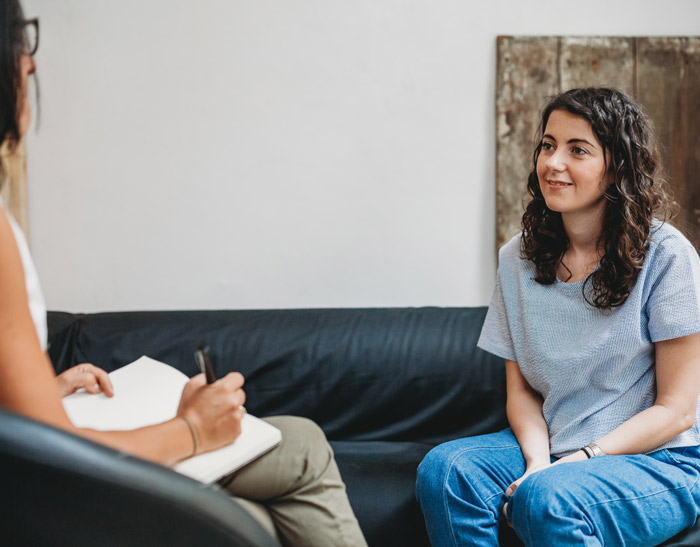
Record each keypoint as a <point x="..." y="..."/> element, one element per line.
<point x="635" y="197"/>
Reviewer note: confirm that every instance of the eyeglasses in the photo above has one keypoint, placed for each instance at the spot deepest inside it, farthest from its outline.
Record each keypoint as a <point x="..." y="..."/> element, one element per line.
<point x="30" y="36"/>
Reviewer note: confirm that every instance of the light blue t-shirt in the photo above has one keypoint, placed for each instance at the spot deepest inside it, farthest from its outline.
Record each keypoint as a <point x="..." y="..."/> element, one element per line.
<point x="594" y="368"/>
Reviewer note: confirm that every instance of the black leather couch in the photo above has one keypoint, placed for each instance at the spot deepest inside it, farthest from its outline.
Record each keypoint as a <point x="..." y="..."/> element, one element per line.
<point x="386" y="385"/>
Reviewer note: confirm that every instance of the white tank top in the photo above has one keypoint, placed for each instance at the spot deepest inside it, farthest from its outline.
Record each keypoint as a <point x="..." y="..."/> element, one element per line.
<point x="37" y="306"/>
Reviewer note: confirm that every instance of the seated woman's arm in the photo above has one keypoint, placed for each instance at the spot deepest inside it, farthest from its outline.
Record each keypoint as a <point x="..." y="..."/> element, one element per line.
<point x="28" y="385"/>
<point x="524" y="410"/>
<point x="678" y="388"/>
<point x="673" y="412"/>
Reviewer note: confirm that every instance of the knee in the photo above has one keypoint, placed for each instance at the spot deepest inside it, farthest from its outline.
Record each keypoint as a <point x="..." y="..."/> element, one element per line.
<point x="432" y="465"/>
<point x="544" y="505"/>
<point x="304" y="442"/>
<point x="433" y="472"/>
<point x="304" y="429"/>
<point x="534" y="497"/>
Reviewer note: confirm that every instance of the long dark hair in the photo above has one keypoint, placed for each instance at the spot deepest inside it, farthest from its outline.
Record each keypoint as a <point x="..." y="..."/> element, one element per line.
<point x="11" y="48"/>
<point x="637" y="194"/>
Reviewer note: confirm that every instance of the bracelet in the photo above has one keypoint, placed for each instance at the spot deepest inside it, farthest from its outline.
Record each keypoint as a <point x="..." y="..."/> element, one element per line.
<point x="195" y="439"/>
<point x="592" y="450"/>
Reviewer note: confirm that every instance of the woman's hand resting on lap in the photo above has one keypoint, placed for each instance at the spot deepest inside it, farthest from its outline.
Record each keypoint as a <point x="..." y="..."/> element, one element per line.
<point x="85" y="375"/>
<point x="514" y="485"/>
<point x="577" y="456"/>
<point x="214" y="410"/>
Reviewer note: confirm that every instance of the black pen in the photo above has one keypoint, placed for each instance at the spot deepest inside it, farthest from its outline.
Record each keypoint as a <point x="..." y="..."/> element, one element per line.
<point x="201" y="356"/>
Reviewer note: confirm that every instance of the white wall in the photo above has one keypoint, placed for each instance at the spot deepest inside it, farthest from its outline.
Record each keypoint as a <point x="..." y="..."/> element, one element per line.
<point x="279" y="153"/>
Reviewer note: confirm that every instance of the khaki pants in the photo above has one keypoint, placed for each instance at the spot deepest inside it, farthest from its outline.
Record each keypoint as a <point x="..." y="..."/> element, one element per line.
<point x="295" y="491"/>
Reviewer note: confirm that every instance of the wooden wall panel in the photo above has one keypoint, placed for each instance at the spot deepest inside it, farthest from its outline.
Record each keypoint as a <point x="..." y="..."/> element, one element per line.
<point x="527" y="75"/>
<point x="597" y="61"/>
<point x="668" y="85"/>
<point x="662" y="73"/>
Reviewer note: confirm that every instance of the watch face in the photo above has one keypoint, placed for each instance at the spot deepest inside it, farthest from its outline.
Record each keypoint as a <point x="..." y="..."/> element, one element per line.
<point x="596" y="450"/>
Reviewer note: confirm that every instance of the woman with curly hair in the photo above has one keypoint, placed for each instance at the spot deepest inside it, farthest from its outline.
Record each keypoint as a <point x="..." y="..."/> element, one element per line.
<point x="596" y="312"/>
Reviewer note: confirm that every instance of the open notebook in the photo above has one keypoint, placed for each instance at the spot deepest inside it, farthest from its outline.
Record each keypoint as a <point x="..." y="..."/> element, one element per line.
<point x="147" y="392"/>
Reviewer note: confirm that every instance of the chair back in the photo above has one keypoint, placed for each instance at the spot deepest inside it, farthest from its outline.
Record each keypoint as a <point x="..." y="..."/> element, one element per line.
<point x="61" y="489"/>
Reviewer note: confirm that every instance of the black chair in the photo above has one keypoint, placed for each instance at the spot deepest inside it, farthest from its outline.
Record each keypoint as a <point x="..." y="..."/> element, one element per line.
<point x="60" y="489"/>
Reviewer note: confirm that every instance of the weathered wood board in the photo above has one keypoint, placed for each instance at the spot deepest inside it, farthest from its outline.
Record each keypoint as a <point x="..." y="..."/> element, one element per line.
<point x="662" y="73"/>
<point x="668" y="85"/>
<point x="521" y="89"/>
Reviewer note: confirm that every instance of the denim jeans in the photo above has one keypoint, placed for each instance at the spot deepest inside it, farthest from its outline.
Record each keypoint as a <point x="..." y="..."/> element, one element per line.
<point x="608" y="500"/>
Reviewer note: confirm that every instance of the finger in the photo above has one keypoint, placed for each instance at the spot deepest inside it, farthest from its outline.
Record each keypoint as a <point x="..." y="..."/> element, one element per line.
<point x="505" y="514"/>
<point x="240" y="412"/>
<point x="90" y="383"/>
<point x="94" y="379"/>
<point x="105" y="384"/>
<point x="192" y="386"/>
<point x="233" y="401"/>
<point x="197" y="380"/>
<point x="511" y="489"/>
<point x="233" y="380"/>
<point x="85" y="378"/>
<point x="240" y="397"/>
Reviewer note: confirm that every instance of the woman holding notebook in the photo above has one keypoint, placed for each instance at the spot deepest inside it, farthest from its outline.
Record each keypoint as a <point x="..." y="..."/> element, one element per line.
<point x="297" y="483"/>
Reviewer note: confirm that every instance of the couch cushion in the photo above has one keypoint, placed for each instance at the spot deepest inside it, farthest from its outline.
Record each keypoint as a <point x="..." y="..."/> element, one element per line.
<point x="388" y="511"/>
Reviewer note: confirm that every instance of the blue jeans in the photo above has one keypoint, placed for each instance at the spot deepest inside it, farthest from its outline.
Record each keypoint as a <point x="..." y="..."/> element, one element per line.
<point x="608" y="500"/>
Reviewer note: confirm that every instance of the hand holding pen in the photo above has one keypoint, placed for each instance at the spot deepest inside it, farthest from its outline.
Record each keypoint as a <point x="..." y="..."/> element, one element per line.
<point x="201" y="356"/>
<point x="211" y="408"/>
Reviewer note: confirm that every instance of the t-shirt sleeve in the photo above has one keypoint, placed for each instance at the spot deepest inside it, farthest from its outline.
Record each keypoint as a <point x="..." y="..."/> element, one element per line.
<point x="673" y="306"/>
<point x="495" y="334"/>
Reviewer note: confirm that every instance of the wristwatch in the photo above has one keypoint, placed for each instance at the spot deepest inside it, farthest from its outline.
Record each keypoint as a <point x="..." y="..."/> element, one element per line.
<point x="592" y="450"/>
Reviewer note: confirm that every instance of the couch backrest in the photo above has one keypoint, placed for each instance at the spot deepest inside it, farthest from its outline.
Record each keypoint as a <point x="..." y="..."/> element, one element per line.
<point x="362" y="374"/>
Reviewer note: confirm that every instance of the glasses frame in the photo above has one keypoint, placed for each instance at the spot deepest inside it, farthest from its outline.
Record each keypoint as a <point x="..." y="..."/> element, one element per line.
<point x="34" y="22"/>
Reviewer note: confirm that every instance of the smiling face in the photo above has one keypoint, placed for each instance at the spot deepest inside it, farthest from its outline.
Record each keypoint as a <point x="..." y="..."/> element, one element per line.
<point x="571" y="167"/>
